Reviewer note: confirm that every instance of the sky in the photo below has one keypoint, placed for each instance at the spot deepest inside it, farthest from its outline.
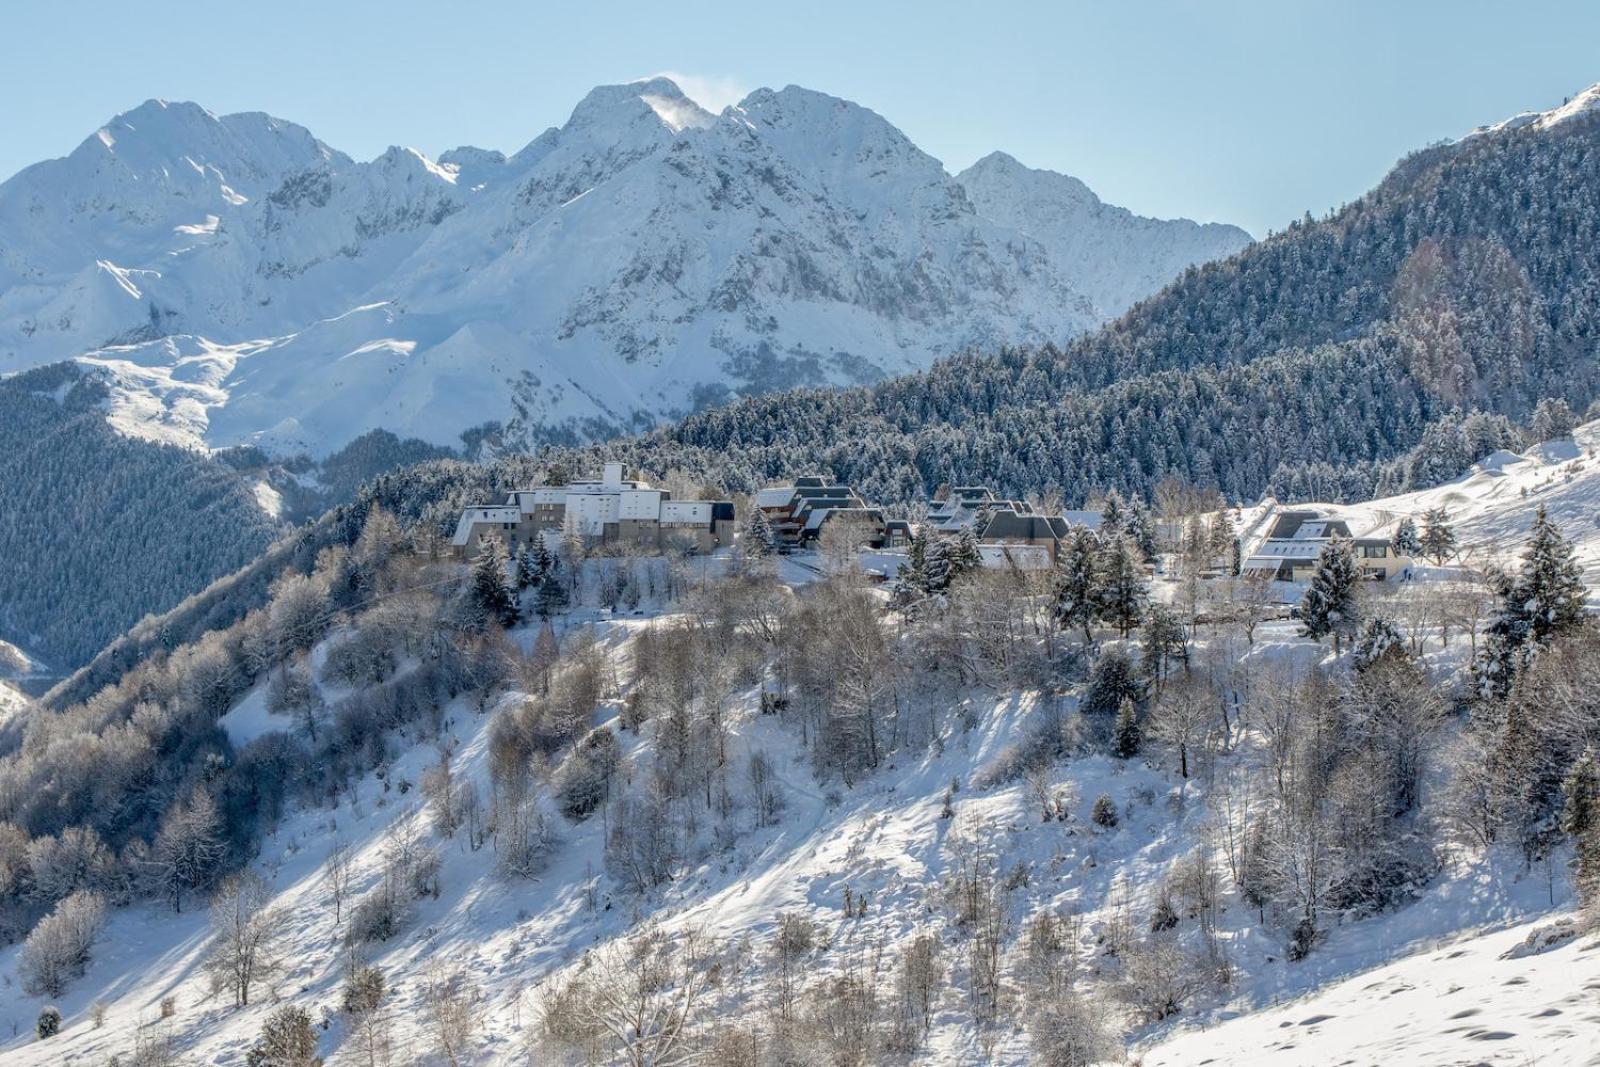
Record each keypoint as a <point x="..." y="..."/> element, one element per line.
<point x="1246" y="112"/>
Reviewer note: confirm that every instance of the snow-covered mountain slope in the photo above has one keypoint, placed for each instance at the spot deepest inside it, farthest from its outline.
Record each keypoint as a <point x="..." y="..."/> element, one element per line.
<point x="1095" y="243"/>
<point x="1493" y="999"/>
<point x="1583" y="107"/>
<point x="644" y="259"/>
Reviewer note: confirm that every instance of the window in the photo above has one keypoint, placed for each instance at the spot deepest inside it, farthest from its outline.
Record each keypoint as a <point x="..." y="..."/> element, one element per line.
<point x="1374" y="551"/>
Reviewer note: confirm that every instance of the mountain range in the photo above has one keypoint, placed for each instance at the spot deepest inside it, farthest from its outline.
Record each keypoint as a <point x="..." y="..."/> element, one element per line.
<point x="239" y="281"/>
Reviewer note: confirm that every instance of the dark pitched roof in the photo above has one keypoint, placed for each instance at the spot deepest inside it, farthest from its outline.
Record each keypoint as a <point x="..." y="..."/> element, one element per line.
<point x="1010" y="526"/>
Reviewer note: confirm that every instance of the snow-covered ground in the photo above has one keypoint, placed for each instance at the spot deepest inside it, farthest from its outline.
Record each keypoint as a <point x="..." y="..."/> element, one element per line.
<point x="885" y="838"/>
<point x="1489" y="999"/>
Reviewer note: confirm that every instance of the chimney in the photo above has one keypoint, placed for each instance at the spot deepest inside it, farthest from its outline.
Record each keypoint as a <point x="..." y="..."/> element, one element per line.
<point x="613" y="478"/>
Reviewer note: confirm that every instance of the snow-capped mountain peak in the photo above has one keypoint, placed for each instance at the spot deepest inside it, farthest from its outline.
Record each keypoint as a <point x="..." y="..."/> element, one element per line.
<point x="1095" y="242"/>
<point x="644" y="258"/>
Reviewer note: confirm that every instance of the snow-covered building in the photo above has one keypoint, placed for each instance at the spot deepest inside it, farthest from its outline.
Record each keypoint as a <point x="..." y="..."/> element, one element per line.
<point x="966" y="505"/>
<point x="1022" y="541"/>
<point x="798" y="513"/>
<point x="1291" y="547"/>
<point x="613" y="508"/>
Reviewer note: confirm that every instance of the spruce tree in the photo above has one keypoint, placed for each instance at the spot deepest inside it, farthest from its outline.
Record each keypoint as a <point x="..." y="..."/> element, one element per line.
<point x="759" y="540"/>
<point x="1405" y="541"/>
<point x="1551" y="586"/>
<point x="912" y="581"/>
<point x="1125" y="737"/>
<point x="1164" y="641"/>
<point x="1141" y="527"/>
<point x="964" y="555"/>
<point x="1113" y="513"/>
<point x="1123" y="593"/>
<point x="1077" y="590"/>
<point x="1110" y="683"/>
<point x="1438" y="541"/>
<point x="936" y="568"/>
<point x="1580" y="820"/>
<point x="1543" y="600"/>
<point x="531" y="563"/>
<point x="1379" y="638"/>
<point x="1329" y="605"/>
<point x="492" y="592"/>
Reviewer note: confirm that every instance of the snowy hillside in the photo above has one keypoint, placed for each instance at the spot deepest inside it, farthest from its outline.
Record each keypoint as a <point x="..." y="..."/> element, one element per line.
<point x="245" y="282"/>
<point x="1492" y="999"/>
<point x="1094" y="880"/>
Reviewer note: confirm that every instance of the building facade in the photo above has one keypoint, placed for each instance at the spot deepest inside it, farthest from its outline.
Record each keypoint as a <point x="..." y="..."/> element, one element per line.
<point x="610" y="510"/>
<point x="1297" y="537"/>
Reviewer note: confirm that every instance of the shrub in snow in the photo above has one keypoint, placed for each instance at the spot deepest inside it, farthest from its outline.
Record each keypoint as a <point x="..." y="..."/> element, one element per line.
<point x="585" y="778"/>
<point x="49" y="1024"/>
<point x="58" y="949"/>
<point x="288" y="1039"/>
<point x="364" y="991"/>
<point x="1068" y="1031"/>
<point x="378" y="916"/>
<point x="1105" y="812"/>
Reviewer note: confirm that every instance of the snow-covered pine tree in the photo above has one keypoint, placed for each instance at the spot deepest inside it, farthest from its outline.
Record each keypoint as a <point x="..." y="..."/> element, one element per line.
<point x="1550" y="588"/>
<point x="1405" y="541"/>
<point x="1378" y="639"/>
<point x="1552" y="420"/>
<point x="1077" y="588"/>
<point x="1438" y="541"/>
<point x="1543" y="600"/>
<point x="1329" y="605"/>
<point x="758" y="540"/>
<point x="936" y="568"/>
<point x="1122" y="591"/>
<point x="1580" y="820"/>
<point x="531" y="563"/>
<point x="912" y="581"/>
<point x="1164" y="641"/>
<point x="492" y="592"/>
<point x="1141" y="527"/>
<point x="964" y="555"/>
<point x="1223" y="538"/>
<point x="1125" y="735"/>
<point x="1113" y="513"/>
<point x="1110" y="682"/>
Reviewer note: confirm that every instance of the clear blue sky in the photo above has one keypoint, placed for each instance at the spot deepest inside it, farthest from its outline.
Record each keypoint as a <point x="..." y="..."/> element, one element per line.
<point x="1249" y="112"/>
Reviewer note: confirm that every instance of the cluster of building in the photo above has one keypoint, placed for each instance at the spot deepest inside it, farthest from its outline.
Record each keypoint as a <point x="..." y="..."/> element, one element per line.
<point x="1011" y="534"/>
<point x="798" y="513"/>
<point x="613" y="509"/>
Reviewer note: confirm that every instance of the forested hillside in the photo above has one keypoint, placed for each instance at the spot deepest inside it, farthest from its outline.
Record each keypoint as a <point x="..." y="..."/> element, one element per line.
<point x="97" y="529"/>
